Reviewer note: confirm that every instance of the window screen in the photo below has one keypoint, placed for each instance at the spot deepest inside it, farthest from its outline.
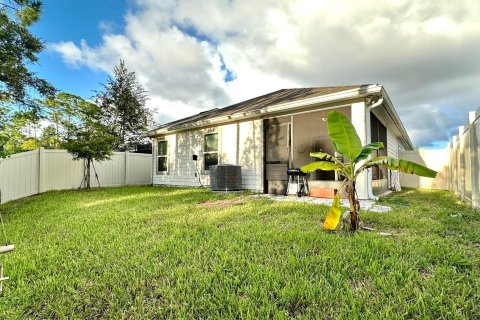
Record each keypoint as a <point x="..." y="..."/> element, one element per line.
<point x="378" y="134"/>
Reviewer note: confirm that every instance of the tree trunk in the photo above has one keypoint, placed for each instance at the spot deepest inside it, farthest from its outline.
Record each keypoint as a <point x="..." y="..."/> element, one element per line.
<point x="353" y="206"/>
<point x="88" y="174"/>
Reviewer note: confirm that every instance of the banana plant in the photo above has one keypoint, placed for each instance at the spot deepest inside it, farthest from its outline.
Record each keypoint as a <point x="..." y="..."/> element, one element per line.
<point x="356" y="160"/>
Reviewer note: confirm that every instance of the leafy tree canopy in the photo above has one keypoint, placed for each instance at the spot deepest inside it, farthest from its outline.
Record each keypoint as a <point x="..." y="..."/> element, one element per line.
<point x="18" y="48"/>
<point x="87" y="138"/>
<point x="19" y="132"/>
<point x="122" y="101"/>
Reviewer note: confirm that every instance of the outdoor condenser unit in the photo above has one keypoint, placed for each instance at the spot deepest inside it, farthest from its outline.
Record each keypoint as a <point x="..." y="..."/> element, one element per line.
<point x="225" y="177"/>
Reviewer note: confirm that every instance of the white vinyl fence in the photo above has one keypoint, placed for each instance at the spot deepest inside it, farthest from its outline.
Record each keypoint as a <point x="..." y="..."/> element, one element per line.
<point x="435" y="159"/>
<point x="464" y="165"/>
<point x="28" y="173"/>
<point x="458" y="165"/>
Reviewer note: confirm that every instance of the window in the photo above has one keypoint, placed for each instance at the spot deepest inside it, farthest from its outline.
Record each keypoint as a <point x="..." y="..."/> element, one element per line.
<point x="378" y="134"/>
<point x="162" y="156"/>
<point x="210" y="150"/>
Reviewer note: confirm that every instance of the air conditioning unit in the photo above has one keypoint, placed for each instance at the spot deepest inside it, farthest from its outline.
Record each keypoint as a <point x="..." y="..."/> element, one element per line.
<point x="225" y="177"/>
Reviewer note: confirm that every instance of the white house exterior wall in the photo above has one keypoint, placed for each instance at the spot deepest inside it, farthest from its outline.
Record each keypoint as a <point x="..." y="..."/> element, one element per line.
<point x="393" y="147"/>
<point x="239" y="143"/>
<point x="392" y="144"/>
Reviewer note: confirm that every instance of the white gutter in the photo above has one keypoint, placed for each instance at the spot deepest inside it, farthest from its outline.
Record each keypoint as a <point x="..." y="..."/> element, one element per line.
<point x="154" y="149"/>
<point x="370" y="194"/>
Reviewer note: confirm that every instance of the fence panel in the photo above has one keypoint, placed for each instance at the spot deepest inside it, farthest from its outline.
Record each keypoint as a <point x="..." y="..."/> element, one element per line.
<point x="475" y="156"/>
<point x="19" y="176"/>
<point x="139" y="169"/>
<point x="436" y="159"/>
<point x="60" y="171"/>
<point x="464" y="165"/>
<point x="455" y="166"/>
<point x="111" y="173"/>
<point x="34" y="172"/>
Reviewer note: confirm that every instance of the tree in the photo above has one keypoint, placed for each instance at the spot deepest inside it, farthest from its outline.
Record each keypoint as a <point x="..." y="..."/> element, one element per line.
<point x="346" y="142"/>
<point x="20" y="132"/>
<point x="41" y="126"/>
<point x="50" y="138"/>
<point x="122" y="101"/>
<point x="4" y="117"/>
<point x="59" y="113"/>
<point x="87" y="137"/>
<point x="18" y="47"/>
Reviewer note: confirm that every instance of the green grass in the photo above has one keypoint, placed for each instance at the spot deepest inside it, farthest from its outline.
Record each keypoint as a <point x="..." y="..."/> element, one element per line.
<point x="151" y="252"/>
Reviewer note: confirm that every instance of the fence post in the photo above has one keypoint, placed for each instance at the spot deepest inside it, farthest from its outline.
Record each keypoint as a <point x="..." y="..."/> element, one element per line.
<point x="461" y="151"/>
<point x="449" y="165"/>
<point x="41" y="170"/>
<point x="127" y="156"/>
<point x="472" y="116"/>
<point x="456" y="148"/>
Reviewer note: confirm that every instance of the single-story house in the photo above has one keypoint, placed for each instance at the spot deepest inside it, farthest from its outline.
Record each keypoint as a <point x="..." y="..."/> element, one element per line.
<point x="268" y="134"/>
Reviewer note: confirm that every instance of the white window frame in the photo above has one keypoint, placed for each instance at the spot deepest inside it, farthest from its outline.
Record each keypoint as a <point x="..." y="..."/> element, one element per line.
<point x="162" y="156"/>
<point x="210" y="152"/>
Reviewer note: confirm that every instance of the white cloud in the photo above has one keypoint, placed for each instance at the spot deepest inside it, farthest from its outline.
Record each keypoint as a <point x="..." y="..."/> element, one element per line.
<point x="424" y="52"/>
<point x="71" y="54"/>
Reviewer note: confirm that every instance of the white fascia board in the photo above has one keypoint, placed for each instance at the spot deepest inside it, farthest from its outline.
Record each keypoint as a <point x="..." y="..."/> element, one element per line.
<point x="477" y="113"/>
<point x="338" y="96"/>
<point x="390" y="109"/>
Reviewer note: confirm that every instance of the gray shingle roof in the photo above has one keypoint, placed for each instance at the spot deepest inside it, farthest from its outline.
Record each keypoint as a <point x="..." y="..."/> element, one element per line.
<point x="270" y="99"/>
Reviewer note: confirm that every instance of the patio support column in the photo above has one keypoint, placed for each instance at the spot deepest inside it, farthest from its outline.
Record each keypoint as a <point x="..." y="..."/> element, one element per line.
<point x="361" y="120"/>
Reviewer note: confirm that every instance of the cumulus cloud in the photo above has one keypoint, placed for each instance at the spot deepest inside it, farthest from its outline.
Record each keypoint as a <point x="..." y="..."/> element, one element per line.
<point x="197" y="54"/>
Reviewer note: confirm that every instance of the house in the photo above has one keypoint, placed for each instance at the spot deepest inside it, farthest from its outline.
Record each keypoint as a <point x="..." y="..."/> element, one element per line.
<point x="268" y="134"/>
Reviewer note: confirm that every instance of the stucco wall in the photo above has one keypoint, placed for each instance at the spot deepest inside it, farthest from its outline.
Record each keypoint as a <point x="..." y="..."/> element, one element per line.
<point x="239" y="143"/>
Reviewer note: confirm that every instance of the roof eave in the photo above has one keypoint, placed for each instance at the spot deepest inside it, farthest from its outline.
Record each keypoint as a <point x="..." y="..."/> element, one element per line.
<point x="337" y="96"/>
<point x="389" y="105"/>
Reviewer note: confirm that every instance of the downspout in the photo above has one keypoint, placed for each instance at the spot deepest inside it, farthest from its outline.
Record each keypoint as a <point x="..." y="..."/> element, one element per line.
<point x="152" y="140"/>
<point x="379" y="102"/>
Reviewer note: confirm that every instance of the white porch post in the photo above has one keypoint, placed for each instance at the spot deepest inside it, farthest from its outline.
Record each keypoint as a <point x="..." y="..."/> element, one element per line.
<point x="361" y="120"/>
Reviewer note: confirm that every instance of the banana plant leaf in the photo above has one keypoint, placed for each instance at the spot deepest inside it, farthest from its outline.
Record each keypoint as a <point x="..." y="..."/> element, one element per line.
<point x="403" y="166"/>
<point x="321" y="165"/>
<point x="333" y="216"/>
<point x="368" y="149"/>
<point x="323" y="156"/>
<point x="344" y="136"/>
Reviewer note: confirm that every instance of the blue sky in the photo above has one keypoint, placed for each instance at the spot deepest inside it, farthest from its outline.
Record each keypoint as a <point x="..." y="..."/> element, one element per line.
<point x="68" y="20"/>
<point x="192" y="55"/>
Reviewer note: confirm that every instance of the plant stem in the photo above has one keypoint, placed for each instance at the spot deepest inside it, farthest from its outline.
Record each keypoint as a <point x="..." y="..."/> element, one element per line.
<point x="88" y="173"/>
<point x="353" y="207"/>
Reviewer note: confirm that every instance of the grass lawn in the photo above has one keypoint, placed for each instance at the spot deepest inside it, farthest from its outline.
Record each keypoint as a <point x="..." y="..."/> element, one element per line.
<point x="151" y="252"/>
